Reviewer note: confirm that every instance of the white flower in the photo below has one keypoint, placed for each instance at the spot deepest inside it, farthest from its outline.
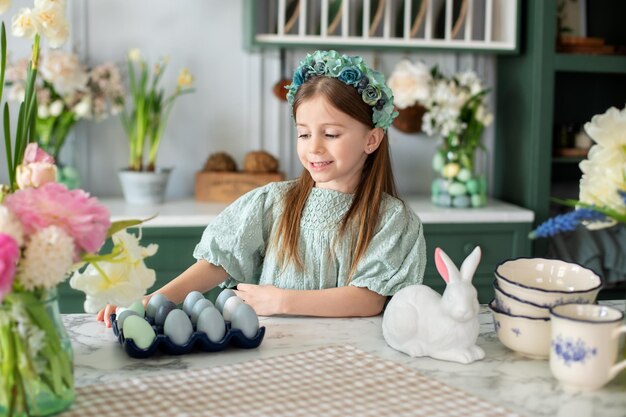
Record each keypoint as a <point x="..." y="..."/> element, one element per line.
<point x="483" y="116"/>
<point x="49" y="20"/>
<point x="47" y="258"/>
<point x="42" y="111"/>
<point x="134" y="55"/>
<point x="125" y="279"/>
<point x="4" y="5"/>
<point x="64" y="71"/>
<point x="50" y="3"/>
<point x="132" y="251"/>
<point x="23" y="24"/>
<point x="122" y="284"/>
<point x="604" y="173"/>
<point x="609" y="129"/>
<point x="10" y="225"/>
<point x="410" y="83"/>
<point x="56" y="108"/>
<point x="83" y="108"/>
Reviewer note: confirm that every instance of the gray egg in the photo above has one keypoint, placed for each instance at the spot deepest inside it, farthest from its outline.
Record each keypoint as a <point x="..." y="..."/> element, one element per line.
<point x="190" y="300"/>
<point x="198" y="307"/>
<point x="245" y="319"/>
<point x="178" y="327"/>
<point x="123" y="315"/>
<point x="154" y="303"/>
<point x="230" y="306"/>
<point x="221" y="299"/>
<point x="162" y="312"/>
<point x="211" y="322"/>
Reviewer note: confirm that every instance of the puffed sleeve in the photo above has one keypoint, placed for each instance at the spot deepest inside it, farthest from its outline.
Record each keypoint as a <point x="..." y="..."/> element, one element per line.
<point x="236" y="239"/>
<point x="396" y="256"/>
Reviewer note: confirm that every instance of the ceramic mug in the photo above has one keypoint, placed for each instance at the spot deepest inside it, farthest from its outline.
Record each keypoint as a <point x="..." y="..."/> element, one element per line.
<point x="583" y="345"/>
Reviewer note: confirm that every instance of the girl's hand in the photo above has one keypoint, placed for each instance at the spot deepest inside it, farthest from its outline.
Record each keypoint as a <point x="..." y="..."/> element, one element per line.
<point x="105" y="314"/>
<point x="266" y="300"/>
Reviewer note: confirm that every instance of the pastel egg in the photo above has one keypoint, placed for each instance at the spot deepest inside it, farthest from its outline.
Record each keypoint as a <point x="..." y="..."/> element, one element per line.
<point x="190" y="300"/>
<point x="162" y="312"/>
<point x="211" y="322"/>
<point x="118" y="310"/>
<point x="137" y="307"/>
<point x="123" y="316"/>
<point x="178" y="327"/>
<point x="461" y="201"/>
<point x="139" y="331"/>
<point x="246" y="320"/>
<point x="478" y="200"/>
<point x="450" y="170"/>
<point x="229" y="307"/>
<point x="438" y="161"/>
<point x="221" y="299"/>
<point x="198" y="307"/>
<point x="473" y="186"/>
<point x="457" y="188"/>
<point x="443" y="200"/>
<point x="154" y="303"/>
<point x="464" y="175"/>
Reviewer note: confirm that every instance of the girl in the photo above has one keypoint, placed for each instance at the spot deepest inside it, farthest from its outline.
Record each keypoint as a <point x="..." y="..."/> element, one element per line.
<point x="337" y="241"/>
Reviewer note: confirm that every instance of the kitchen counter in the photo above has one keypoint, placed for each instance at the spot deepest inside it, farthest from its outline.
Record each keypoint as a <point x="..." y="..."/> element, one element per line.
<point x="190" y="213"/>
<point x="522" y="385"/>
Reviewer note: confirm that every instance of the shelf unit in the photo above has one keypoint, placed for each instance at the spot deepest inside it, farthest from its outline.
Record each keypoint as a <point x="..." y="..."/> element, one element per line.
<point x="459" y="25"/>
<point x="538" y="90"/>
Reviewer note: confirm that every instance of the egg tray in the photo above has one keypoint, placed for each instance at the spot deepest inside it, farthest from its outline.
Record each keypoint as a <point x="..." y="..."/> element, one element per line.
<point x="197" y="341"/>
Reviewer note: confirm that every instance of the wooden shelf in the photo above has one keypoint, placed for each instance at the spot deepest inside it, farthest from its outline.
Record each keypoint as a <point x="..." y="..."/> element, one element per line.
<point x="590" y="63"/>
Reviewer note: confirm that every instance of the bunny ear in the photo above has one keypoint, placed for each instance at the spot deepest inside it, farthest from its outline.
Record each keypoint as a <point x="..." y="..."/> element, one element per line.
<point x="470" y="264"/>
<point x="444" y="264"/>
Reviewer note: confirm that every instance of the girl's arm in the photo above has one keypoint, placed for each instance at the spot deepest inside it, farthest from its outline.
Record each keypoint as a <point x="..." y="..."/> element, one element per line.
<point x="348" y="301"/>
<point x="201" y="276"/>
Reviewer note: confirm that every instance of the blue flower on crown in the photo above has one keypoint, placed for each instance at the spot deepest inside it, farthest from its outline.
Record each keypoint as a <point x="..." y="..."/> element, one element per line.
<point x="352" y="71"/>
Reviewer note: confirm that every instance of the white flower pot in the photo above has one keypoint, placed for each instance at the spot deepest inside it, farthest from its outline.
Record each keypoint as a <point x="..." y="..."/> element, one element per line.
<point x="143" y="187"/>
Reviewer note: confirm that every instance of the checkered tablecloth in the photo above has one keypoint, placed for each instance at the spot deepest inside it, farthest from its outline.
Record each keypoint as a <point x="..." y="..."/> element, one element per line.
<point x="329" y="381"/>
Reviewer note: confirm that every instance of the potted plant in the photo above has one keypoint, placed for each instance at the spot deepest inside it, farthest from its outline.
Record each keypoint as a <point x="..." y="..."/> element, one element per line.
<point x="144" y="119"/>
<point x="410" y="83"/>
<point x="66" y="93"/>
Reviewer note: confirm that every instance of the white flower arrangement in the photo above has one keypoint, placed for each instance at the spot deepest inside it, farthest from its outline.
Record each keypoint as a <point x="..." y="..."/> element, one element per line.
<point x="410" y="83"/>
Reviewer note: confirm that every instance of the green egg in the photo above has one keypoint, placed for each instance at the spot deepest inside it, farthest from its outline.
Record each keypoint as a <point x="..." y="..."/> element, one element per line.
<point x="137" y="307"/>
<point x="139" y="330"/>
<point x="456" y="189"/>
<point x="464" y="175"/>
<point x="473" y="186"/>
<point x="478" y="200"/>
<point x="438" y="162"/>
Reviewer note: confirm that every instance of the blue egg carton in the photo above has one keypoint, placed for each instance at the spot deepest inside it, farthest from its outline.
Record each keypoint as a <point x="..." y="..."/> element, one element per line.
<point x="197" y="341"/>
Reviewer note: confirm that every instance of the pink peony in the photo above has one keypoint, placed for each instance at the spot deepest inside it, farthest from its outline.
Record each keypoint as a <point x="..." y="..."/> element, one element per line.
<point x="9" y="255"/>
<point x="35" y="174"/>
<point x="82" y="217"/>
<point x="34" y="153"/>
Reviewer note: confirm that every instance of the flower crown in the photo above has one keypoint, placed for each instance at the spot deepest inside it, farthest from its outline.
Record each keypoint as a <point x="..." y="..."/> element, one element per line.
<point x="352" y="71"/>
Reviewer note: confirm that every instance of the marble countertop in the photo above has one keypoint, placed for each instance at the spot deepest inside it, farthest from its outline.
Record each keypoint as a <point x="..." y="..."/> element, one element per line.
<point x="517" y="383"/>
<point x="190" y="213"/>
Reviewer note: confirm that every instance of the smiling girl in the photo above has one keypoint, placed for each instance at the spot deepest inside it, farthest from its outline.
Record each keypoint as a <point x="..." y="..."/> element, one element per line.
<point x="337" y="241"/>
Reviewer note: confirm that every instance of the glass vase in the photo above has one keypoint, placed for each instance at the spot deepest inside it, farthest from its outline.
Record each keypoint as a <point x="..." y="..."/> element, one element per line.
<point x="460" y="177"/>
<point x="36" y="359"/>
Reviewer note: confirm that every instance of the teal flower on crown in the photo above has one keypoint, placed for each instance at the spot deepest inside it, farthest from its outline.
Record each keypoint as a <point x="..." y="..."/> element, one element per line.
<point x="371" y="94"/>
<point x="352" y="71"/>
<point x="350" y="75"/>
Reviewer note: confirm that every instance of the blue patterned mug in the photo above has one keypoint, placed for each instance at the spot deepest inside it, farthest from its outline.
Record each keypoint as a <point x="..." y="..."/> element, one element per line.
<point x="583" y="346"/>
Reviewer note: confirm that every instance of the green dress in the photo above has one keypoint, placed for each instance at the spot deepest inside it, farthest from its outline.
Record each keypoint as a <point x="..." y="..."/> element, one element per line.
<point x="237" y="240"/>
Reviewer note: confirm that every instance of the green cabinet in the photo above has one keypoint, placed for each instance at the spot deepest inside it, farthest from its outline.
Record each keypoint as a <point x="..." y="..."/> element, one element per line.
<point x="498" y="241"/>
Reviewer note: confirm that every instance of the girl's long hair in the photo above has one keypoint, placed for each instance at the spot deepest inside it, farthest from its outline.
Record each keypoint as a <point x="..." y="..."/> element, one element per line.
<point x="376" y="179"/>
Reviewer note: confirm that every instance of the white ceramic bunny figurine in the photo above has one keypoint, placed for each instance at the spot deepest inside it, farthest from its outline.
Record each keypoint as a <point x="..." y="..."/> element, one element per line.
<point x="420" y="322"/>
